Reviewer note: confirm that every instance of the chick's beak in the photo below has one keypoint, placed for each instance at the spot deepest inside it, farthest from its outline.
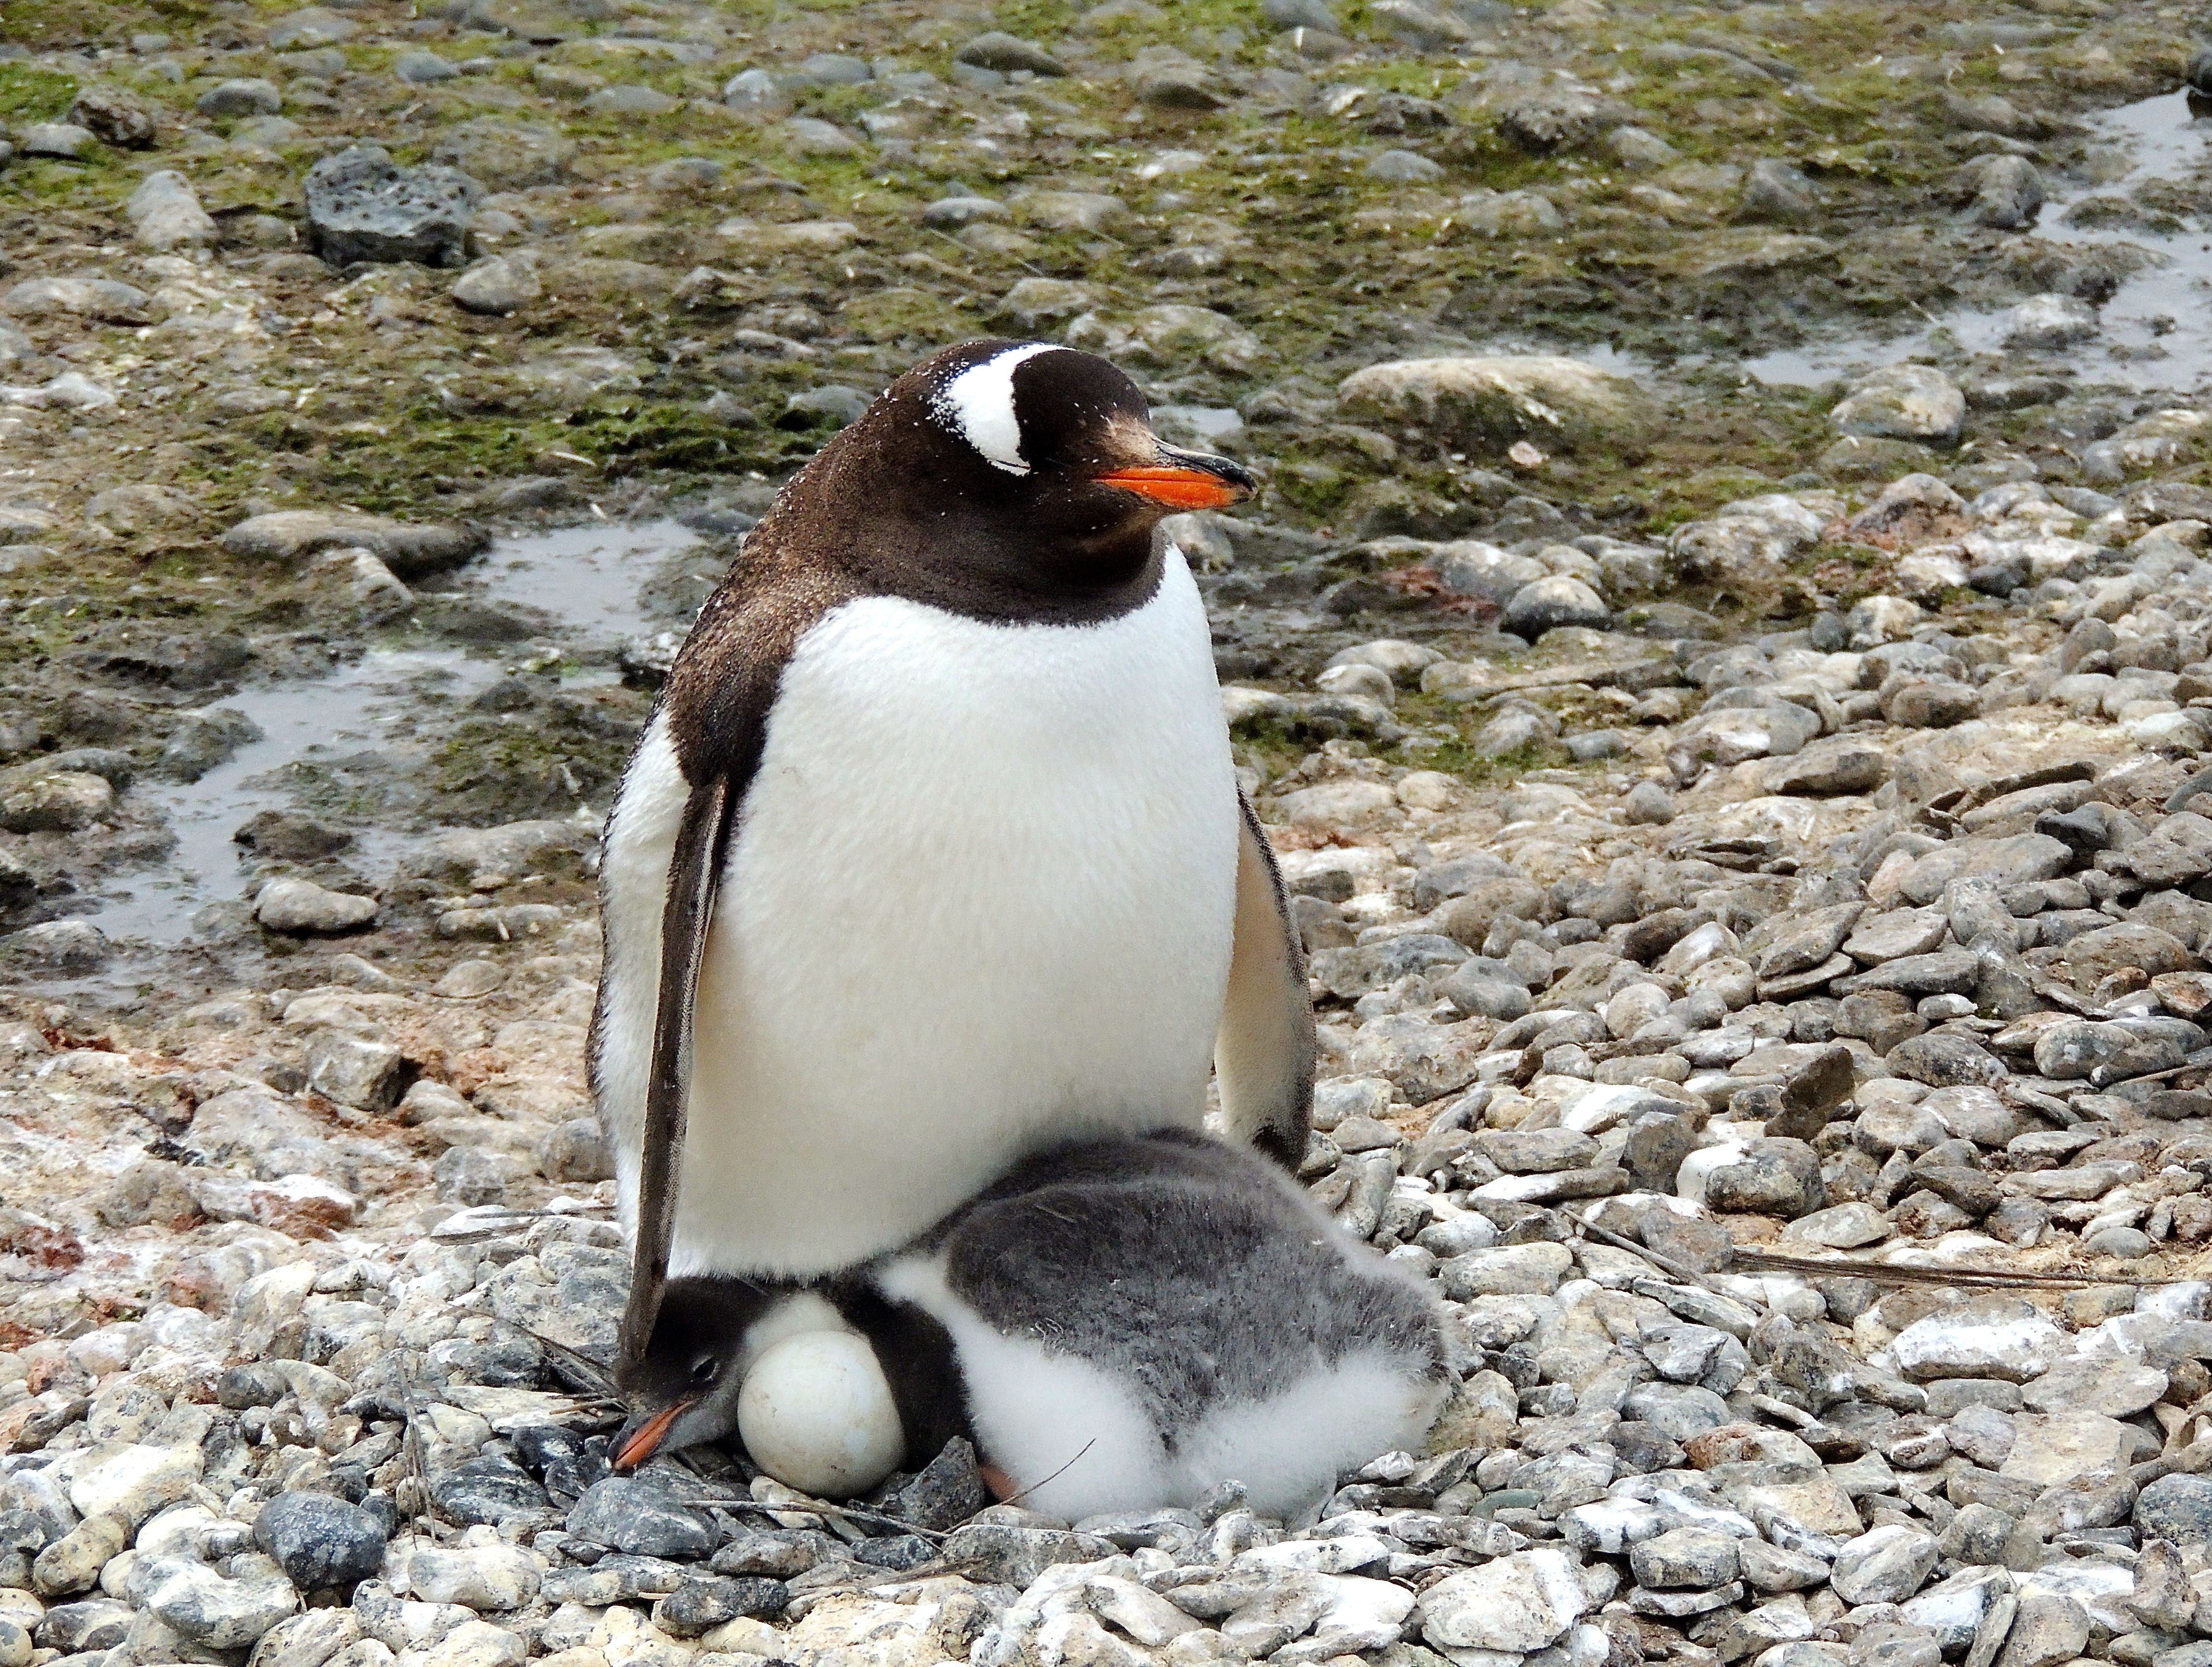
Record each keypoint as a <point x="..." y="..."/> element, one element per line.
<point x="640" y="1444"/>
<point x="1185" y="480"/>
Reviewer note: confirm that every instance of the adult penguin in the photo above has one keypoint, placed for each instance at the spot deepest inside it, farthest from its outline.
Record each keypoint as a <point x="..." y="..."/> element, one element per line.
<point x="933" y="855"/>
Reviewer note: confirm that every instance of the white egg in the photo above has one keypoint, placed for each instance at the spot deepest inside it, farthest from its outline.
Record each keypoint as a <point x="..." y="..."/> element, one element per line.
<point x="816" y="1413"/>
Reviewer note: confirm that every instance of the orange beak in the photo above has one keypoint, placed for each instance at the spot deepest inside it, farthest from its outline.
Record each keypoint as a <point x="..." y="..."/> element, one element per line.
<point x="646" y="1439"/>
<point x="1185" y="480"/>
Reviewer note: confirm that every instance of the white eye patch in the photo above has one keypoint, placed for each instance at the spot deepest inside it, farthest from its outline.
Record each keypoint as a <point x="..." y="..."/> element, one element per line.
<point x="978" y="406"/>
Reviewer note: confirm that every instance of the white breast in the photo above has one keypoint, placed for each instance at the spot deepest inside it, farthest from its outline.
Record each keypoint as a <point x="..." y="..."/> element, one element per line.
<point x="980" y="900"/>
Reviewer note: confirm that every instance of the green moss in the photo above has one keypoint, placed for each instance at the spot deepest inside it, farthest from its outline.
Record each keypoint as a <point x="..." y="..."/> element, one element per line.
<point x="327" y="790"/>
<point x="912" y="318"/>
<point x="1269" y="749"/>
<point x="489" y="771"/>
<point x="1313" y="487"/>
<point x="629" y="438"/>
<point x="1048" y="21"/>
<point x="1480" y="769"/>
<point x="283" y="431"/>
<point x="622" y="438"/>
<point x="30" y="94"/>
<point x="95" y="592"/>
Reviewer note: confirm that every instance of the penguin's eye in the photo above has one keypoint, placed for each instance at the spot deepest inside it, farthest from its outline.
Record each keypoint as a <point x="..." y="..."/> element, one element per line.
<point x="704" y="1369"/>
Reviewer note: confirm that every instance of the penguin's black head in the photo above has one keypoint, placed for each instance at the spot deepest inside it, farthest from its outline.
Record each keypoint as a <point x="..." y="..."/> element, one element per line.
<point x="1064" y="430"/>
<point x="1012" y="476"/>
<point x="683" y="1391"/>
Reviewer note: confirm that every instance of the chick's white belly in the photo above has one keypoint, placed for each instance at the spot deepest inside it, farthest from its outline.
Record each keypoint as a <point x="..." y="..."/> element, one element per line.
<point x="981" y="901"/>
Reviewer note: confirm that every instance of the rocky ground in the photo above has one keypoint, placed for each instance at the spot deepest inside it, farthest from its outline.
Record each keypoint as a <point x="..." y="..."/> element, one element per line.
<point x="1723" y="654"/>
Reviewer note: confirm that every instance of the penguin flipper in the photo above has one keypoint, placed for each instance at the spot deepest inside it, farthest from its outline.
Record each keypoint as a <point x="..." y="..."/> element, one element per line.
<point x="1263" y="1052"/>
<point x="694" y="878"/>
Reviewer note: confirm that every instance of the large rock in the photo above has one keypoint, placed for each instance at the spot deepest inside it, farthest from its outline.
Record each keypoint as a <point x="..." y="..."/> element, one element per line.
<point x="103" y="299"/>
<point x="311" y="25"/>
<point x="487" y="1490"/>
<point x="1424" y="1061"/>
<point x="1507" y="1271"/>
<point x="1697" y="1559"/>
<point x="1088" y="211"/>
<point x="1487" y="403"/>
<point x="2117" y="1389"/>
<point x="1990" y="1337"/>
<point x="1521" y="1602"/>
<point x="2005" y="193"/>
<point x="1007" y="53"/>
<point x="298" y="906"/>
<point x="512" y="847"/>
<point x="1351" y="973"/>
<point x="480" y="1578"/>
<point x="115" y="118"/>
<point x="165" y="213"/>
<point x="1797" y="943"/>
<point x="1833" y="764"/>
<point x="55" y="801"/>
<point x="140" y="507"/>
<point x="2052" y="1449"/>
<point x="63" y="946"/>
<point x="2177" y="1508"/>
<point x="409" y="551"/>
<point x="320" y="1540"/>
<point x="1746" y="540"/>
<point x="629" y="1514"/>
<point x="1171" y="333"/>
<point x="506" y="156"/>
<point x="1733" y="734"/>
<point x="1468" y="567"/>
<point x="498" y="286"/>
<point x="2048" y="1628"/>
<point x="354" y="1070"/>
<point x="1902" y="402"/>
<point x="1557" y="600"/>
<point x="2163" y="440"/>
<point x="316" y="1636"/>
<point x="2050" y="321"/>
<point x="1563" y="118"/>
<point x="2104" y="950"/>
<point x="1884" y="1565"/>
<point x="363" y="206"/>
<point x="242" y="95"/>
<point x="1774" y="1176"/>
<point x="132" y="1480"/>
<point x="220" y="1613"/>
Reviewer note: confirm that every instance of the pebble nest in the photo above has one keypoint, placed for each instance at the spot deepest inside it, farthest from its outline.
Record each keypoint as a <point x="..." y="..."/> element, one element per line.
<point x="1805" y="1132"/>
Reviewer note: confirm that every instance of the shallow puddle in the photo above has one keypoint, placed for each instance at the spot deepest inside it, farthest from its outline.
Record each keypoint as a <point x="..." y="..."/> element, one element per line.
<point x="600" y="583"/>
<point x="300" y="723"/>
<point x="594" y="578"/>
<point x="2156" y="330"/>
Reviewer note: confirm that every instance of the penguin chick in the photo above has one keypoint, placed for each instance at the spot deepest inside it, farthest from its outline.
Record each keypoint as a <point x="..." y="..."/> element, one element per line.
<point x="1128" y="1322"/>
<point x="1136" y="1321"/>
<point x="718" y="1341"/>
<point x="686" y="1388"/>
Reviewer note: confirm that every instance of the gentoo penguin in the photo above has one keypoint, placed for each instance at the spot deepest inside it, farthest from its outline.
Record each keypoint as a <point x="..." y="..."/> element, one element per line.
<point x="932" y="854"/>
<point x="1118" y="1324"/>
